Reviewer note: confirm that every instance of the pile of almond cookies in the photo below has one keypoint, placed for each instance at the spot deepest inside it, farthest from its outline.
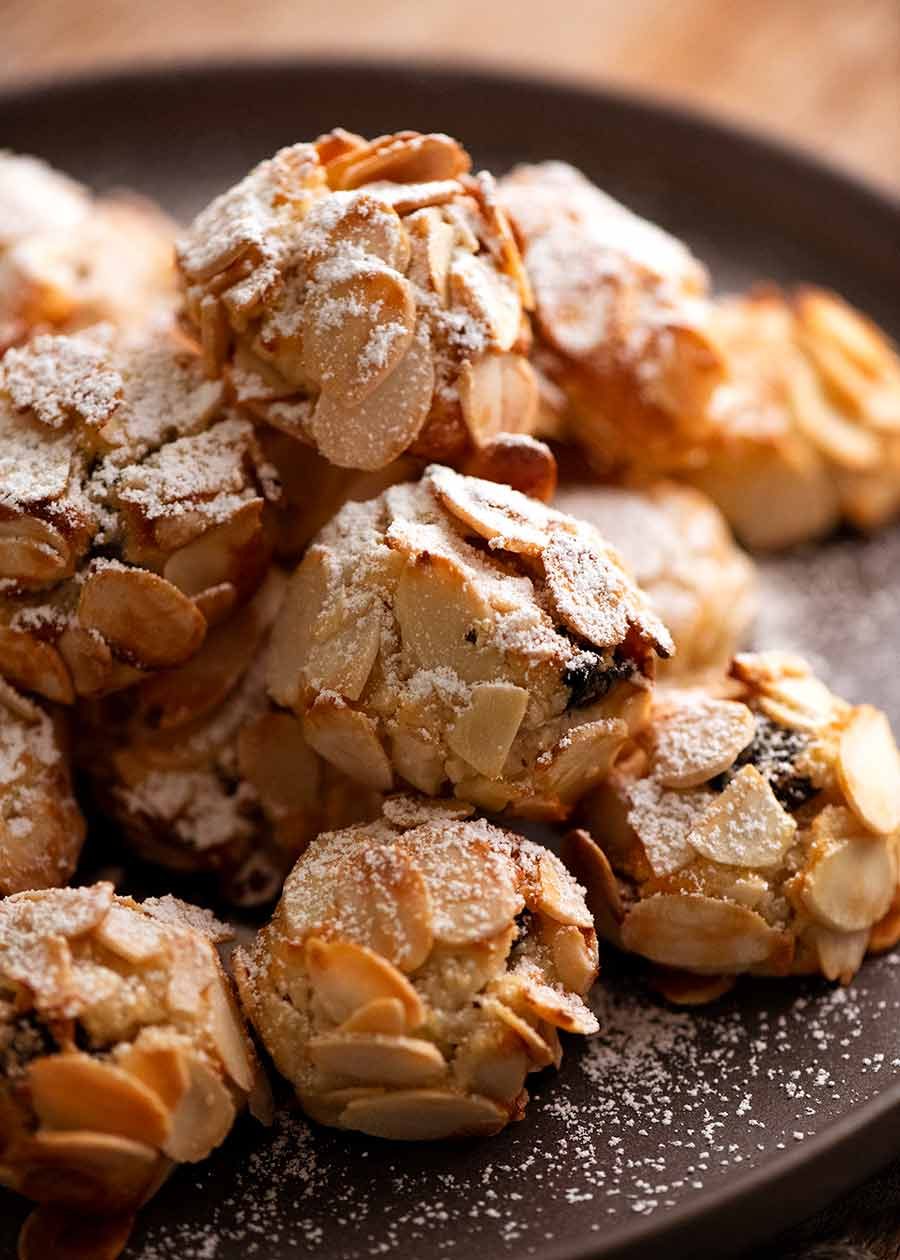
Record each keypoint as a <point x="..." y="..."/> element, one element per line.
<point x="387" y="504"/>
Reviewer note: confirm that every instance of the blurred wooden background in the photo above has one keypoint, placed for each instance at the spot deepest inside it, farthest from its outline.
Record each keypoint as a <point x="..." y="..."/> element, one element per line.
<point x="821" y="73"/>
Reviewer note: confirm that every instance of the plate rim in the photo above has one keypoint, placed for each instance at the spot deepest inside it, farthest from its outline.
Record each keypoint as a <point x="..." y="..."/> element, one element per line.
<point x="781" y="1175"/>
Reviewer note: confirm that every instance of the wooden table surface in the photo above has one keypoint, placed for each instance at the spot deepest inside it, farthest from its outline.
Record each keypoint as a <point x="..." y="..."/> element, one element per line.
<point x="824" y="74"/>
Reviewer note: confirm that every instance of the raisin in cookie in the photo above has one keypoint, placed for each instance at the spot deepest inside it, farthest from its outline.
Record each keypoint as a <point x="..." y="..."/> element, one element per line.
<point x="41" y="827"/>
<point x="202" y="774"/>
<point x="807" y="424"/>
<point x="68" y="259"/>
<point x="131" y="510"/>
<point x="366" y="297"/>
<point x="755" y="833"/>
<point x="417" y="969"/>
<point x="623" y="319"/>
<point x="682" y="554"/>
<point x="122" y="1052"/>
<point x="456" y="634"/>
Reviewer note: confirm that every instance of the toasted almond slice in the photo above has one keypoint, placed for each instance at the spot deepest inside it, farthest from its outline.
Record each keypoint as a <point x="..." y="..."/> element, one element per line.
<point x="349" y="740"/>
<point x="683" y="988"/>
<point x="356" y="331"/>
<point x="492" y="1062"/>
<point x="226" y="1030"/>
<point x="384" y="1015"/>
<point x="90" y="663"/>
<point x="574" y="954"/>
<point x="699" y="933"/>
<point x="404" y="158"/>
<point x="539" y="1052"/>
<point x="33" y="553"/>
<point x="418" y="761"/>
<point x="343" y="661"/>
<point x="498" y="394"/>
<point x="233" y="553"/>
<point x="445" y="620"/>
<point x="849" y="887"/>
<point x="489" y="297"/>
<point x="384" y="898"/>
<point x="141" y="616"/>
<point x="276" y="759"/>
<point x="203" y="1118"/>
<point x="868" y="769"/>
<point x="378" y="1060"/>
<point x="589" y="592"/>
<point x="379" y="429"/>
<point x="484" y="732"/>
<point x="803" y="704"/>
<point x="34" y="666"/>
<point x="696" y="740"/>
<point x="348" y="978"/>
<point x="431" y="234"/>
<point x="418" y="1115"/>
<point x="886" y="932"/>
<point x="590" y="865"/>
<point x="100" y="1171"/>
<point x="52" y="1231"/>
<point x="554" y="893"/>
<point x="581" y="759"/>
<point x="161" y="1067"/>
<point x="130" y="934"/>
<point x="516" y="460"/>
<point x="761" y="669"/>
<point x="558" y="1006"/>
<point x="504" y="517"/>
<point x="292" y="636"/>
<point x="745" y="825"/>
<point x="74" y="1091"/>
<point x="840" y="954"/>
<point x="365" y="224"/>
<point x="480" y="900"/>
<point x="406" y="198"/>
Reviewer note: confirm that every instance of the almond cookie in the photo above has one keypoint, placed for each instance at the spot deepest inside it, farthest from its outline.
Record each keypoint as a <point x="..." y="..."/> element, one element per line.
<point x="131" y="510"/>
<point x="68" y="259"/>
<point x="681" y="552"/>
<point x="807" y="425"/>
<point x="755" y="833"/>
<point x="623" y="319"/>
<point x="122" y="1051"/>
<point x="417" y="969"/>
<point x="41" y="827"/>
<point x="366" y="297"/>
<point x="456" y="634"/>
<point x="201" y="773"/>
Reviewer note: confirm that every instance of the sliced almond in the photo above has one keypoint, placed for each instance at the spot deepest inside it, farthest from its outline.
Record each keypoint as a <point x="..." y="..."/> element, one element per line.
<point x="424" y="1115"/>
<point x="492" y="1062"/>
<point x="75" y="1091"/>
<point x="379" y="429"/>
<point x="130" y="934"/>
<point x="432" y="237"/>
<point x="886" y="932"/>
<point x="292" y="637"/>
<point x="555" y="894"/>
<point x="357" y="330"/>
<point x="491" y="299"/>
<point x="203" y="1118"/>
<point x="159" y="1066"/>
<point x="233" y="553"/>
<point x="485" y="730"/>
<point x="276" y="759"/>
<point x="580" y="760"/>
<point x="498" y="394"/>
<point x="418" y="761"/>
<point x="590" y="593"/>
<point x="384" y="1015"/>
<point x="538" y="1050"/>
<point x="363" y="222"/>
<point x="100" y="1171"/>
<point x="349" y="740"/>
<point x="683" y="988"/>
<point x="378" y="1060"/>
<point x="343" y="661"/>
<point x="557" y="1006"/>
<point x="385" y="899"/>
<point x="850" y="886"/>
<point x="141" y="616"/>
<point x="840" y="954"/>
<point x="348" y="978"/>
<point x="745" y="825"/>
<point x="574" y="954"/>
<point x="226" y="1031"/>
<point x="505" y="518"/>
<point x="515" y="460"/>
<point x="33" y="553"/>
<point x="590" y="866"/>
<point x="34" y="666"/>
<point x="803" y="704"/>
<point x="404" y="158"/>
<point x="52" y="1231"/>
<point x="695" y="741"/>
<point x="699" y="933"/>
<point x="868" y="769"/>
<point x="762" y="669"/>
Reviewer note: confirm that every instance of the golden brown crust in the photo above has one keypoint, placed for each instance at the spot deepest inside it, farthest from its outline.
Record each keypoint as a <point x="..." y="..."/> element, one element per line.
<point x="416" y="970"/>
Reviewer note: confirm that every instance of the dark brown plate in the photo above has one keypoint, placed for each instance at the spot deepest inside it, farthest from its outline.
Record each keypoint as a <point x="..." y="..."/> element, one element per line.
<point x="670" y="1134"/>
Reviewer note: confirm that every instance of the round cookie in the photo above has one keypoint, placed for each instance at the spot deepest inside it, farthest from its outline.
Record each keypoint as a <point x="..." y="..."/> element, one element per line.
<point x="41" y="827"/>
<point x="754" y="833"/>
<point x="68" y="259"/>
<point x="456" y="634"/>
<point x="200" y="773"/>
<point x="624" y="339"/>
<point x="366" y="297"/>
<point x="122" y="1053"/>
<point x="131" y="514"/>
<point x="807" y="423"/>
<point x="417" y="969"/>
<point x="681" y="552"/>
